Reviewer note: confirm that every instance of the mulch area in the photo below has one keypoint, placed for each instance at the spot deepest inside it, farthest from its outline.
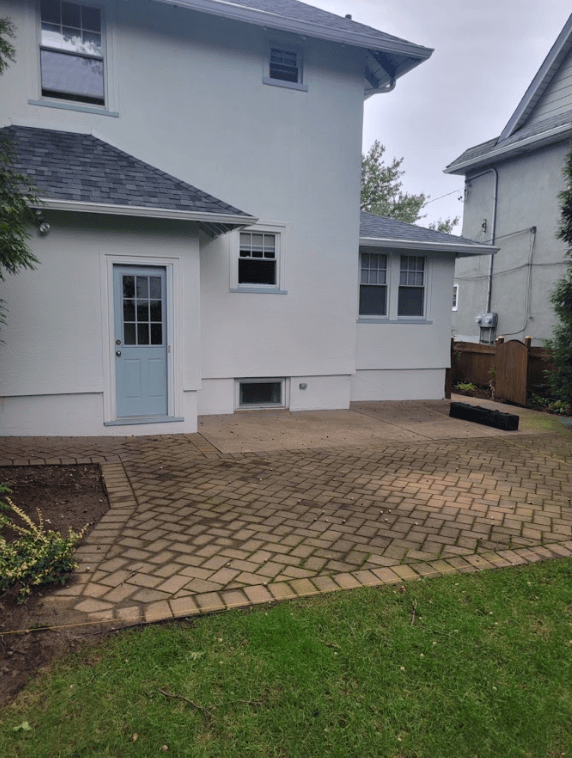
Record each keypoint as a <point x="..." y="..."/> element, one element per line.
<point x="67" y="496"/>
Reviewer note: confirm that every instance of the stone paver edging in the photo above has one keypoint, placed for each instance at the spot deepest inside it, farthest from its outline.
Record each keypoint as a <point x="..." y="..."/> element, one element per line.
<point x="192" y="531"/>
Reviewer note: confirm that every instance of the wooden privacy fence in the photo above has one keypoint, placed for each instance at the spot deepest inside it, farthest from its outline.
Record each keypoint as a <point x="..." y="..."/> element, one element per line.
<point x="513" y="368"/>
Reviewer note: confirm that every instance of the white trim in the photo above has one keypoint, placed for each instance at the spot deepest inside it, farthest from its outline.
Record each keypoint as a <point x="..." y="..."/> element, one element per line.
<point x="281" y="231"/>
<point x="461" y="248"/>
<point x="174" y="329"/>
<point x="108" y="43"/>
<point x="279" y="22"/>
<point x="558" y="134"/>
<point x="136" y="210"/>
<point x="284" y="392"/>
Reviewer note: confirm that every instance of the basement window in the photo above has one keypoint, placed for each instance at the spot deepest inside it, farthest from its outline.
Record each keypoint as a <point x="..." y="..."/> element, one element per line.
<point x="261" y="393"/>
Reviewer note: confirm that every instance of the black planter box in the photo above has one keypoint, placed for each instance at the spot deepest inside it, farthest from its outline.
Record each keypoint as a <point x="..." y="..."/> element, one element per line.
<point x="466" y="412"/>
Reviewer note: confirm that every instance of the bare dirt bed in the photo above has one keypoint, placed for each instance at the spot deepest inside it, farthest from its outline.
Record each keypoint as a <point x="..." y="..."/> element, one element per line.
<point x="67" y="496"/>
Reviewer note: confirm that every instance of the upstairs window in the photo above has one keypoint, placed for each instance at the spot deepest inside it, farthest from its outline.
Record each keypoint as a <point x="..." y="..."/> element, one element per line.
<point x="411" y="296"/>
<point x="373" y="285"/>
<point x="285" y="65"/>
<point x="71" y="52"/>
<point x="258" y="260"/>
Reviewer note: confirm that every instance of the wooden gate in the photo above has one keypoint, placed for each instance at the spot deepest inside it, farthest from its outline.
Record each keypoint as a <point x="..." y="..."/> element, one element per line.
<point x="511" y="359"/>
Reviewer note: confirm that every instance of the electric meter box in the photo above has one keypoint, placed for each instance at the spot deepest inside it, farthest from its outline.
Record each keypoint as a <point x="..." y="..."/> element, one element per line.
<point x="486" y="320"/>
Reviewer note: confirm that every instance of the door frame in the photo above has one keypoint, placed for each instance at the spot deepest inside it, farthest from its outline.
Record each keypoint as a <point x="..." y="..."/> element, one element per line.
<point x="174" y="332"/>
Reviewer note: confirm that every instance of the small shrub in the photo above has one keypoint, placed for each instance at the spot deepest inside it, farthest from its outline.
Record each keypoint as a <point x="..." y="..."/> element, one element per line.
<point x="493" y="371"/>
<point x="36" y="556"/>
<point x="465" y="387"/>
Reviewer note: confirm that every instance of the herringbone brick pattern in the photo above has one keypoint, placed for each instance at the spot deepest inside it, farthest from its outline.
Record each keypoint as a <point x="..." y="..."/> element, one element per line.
<point x="191" y="529"/>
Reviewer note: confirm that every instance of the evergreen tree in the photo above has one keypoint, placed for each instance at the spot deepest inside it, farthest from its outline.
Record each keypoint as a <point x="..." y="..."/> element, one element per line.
<point x="17" y="193"/>
<point x="561" y="298"/>
<point x="382" y="193"/>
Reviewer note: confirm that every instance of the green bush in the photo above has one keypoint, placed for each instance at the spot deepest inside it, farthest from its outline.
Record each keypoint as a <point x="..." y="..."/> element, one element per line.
<point x="465" y="387"/>
<point x="36" y="556"/>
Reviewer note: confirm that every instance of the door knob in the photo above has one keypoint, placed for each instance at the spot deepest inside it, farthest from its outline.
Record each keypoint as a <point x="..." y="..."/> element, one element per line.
<point x="118" y="353"/>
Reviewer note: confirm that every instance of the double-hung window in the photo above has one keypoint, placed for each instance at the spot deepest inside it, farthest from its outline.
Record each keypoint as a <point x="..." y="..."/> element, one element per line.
<point x="284" y="66"/>
<point x="258" y="259"/>
<point x="411" y="296"/>
<point x="71" y="52"/>
<point x="373" y="285"/>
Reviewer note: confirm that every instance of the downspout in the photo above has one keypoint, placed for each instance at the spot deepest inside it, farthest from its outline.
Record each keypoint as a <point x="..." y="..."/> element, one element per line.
<point x="493" y="231"/>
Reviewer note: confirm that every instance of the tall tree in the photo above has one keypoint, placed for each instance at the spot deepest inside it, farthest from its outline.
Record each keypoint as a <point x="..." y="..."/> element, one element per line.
<point x="382" y="191"/>
<point x="17" y="193"/>
<point x="560" y="343"/>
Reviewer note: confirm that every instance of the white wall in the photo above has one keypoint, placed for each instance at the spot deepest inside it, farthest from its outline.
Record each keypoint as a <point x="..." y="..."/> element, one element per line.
<point x="188" y="90"/>
<point x="408" y="358"/>
<point x="57" y="343"/>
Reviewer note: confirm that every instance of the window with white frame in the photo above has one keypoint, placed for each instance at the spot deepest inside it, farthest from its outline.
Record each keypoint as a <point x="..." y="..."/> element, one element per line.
<point x="455" y="297"/>
<point x="411" y="294"/>
<point x="284" y="66"/>
<point x="71" y="52"/>
<point x="258" y="259"/>
<point x="373" y="284"/>
<point x="261" y="393"/>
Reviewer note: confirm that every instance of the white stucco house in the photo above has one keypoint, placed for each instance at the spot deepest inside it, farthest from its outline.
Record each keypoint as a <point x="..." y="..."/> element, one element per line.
<point x="512" y="184"/>
<point x="199" y="238"/>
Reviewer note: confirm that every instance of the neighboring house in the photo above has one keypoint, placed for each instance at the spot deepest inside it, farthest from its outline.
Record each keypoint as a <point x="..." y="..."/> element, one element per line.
<point x="511" y="200"/>
<point x="155" y="300"/>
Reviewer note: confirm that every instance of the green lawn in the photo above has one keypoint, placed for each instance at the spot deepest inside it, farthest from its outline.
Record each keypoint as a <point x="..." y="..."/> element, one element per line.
<point x="485" y="671"/>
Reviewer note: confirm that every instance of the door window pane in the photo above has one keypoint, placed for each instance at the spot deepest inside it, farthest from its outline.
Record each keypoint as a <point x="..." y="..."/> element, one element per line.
<point x="142" y="286"/>
<point x="142" y="310"/>
<point x="128" y="286"/>
<point x="156" y="334"/>
<point x="129" y="334"/>
<point x="128" y="310"/>
<point x="142" y="334"/>
<point x="156" y="310"/>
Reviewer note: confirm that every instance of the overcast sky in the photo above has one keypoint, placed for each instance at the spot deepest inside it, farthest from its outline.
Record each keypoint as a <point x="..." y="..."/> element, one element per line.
<point x="486" y="54"/>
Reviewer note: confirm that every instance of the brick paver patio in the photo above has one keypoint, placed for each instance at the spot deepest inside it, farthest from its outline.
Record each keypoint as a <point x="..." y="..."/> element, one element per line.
<point x="192" y="530"/>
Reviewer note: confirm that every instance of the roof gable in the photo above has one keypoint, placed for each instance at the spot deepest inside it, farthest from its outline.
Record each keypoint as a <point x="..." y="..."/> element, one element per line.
<point x="393" y="56"/>
<point x="544" y="76"/>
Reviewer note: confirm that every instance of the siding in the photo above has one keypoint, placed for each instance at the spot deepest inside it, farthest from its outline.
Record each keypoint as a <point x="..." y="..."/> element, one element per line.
<point x="557" y="98"/>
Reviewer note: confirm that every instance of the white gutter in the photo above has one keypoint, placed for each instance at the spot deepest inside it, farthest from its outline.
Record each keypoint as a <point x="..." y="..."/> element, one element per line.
<point x="135" y="210"/>
<point x="537" y="140"/>
<point x="277" y="21"/>
<point x="460" y="248"/>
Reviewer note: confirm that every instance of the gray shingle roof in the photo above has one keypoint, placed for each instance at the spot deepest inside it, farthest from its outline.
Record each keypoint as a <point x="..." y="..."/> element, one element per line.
<point x="479" y="153"/>
<point x="297" y="17"/>
<point x="83" y="168"/>
<point x="385" y="228"/>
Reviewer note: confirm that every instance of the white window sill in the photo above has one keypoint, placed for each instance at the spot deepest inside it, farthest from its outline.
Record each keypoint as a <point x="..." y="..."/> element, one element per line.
<point x="260" y="290"/>
<point x="74" y="107"/>
<point x="381" y="320"/>
<point x="287" y="85"/>
<point x="143" y="420"/>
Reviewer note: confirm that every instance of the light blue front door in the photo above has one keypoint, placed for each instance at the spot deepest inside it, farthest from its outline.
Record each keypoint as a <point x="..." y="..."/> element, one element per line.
<point x="140" y="341"/>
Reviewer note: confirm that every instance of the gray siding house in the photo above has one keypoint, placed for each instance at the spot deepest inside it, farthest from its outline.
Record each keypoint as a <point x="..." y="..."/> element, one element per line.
<point x="511" y="201"/>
